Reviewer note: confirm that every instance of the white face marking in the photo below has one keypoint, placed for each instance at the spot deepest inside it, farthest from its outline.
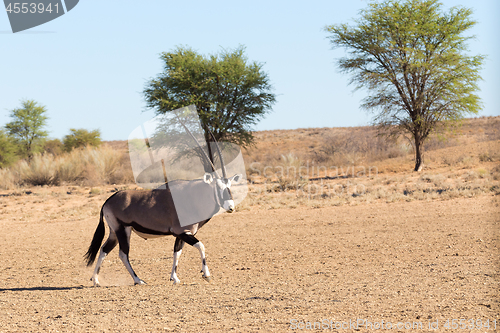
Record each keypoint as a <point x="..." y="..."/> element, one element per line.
<point x="228" y="204"/>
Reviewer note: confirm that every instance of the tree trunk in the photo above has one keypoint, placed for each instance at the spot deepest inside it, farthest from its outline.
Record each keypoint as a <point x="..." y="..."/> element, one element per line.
<point x="419" y="163"/>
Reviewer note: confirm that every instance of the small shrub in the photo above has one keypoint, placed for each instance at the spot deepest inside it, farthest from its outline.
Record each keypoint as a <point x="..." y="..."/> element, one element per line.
<point x="438" y="180"/>
<point x="94" y="191"/>
<point x="470" y="176"/>
<point x="485" y="157"/>
<point x="482" y="173"/>
<point x="495" y="172"/>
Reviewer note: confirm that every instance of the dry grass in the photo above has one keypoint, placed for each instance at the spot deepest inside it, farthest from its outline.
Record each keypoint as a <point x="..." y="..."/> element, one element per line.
<point x="380" y="188"/>
<point x="466" y="165"/>
<point x="88" y="166"/>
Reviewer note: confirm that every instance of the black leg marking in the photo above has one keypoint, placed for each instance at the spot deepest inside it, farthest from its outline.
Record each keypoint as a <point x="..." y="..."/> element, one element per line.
<point x="204" y="262"/>
<point x="123" y="236"/>
<point x="188" y="238"/>
<point x="109" y="245"/>
<point x="179" y="244"/>
<point x="123" y="240"/>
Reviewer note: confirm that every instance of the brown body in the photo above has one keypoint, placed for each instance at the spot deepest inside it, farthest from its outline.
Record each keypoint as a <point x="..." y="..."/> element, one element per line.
<point x="152" y="212"/>
<point x="155" y="213"/>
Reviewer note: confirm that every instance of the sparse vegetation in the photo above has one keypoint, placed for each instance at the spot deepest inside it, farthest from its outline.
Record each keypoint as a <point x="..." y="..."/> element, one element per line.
<point x="87" y="166"/>
<point x="356" y="156"/>
<point x="291" y="168"/>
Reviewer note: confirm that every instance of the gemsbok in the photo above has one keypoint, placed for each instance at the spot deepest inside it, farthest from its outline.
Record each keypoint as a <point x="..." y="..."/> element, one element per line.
<point x="152" y="213"/>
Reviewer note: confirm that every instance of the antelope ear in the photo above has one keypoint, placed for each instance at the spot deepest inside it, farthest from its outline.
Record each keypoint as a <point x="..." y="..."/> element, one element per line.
<point x="207" y="178"/>
<point x="236" y="178"/>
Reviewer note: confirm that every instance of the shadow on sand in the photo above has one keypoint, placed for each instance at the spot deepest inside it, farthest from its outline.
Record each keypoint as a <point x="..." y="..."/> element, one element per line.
<point x="42" y="288"/>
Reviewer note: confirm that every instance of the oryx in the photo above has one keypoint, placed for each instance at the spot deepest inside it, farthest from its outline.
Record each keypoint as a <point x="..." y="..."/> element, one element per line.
<point x="152" y="213"/>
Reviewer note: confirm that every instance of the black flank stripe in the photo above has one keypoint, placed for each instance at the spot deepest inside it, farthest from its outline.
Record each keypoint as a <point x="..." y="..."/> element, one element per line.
<point x="145" y="230"/>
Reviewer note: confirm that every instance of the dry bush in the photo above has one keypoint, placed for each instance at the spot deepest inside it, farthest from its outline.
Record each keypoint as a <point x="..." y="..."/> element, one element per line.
<point x="7" y="179"/>
<point x="357" y="145"/>
<point x="470" y="176"/>
<point x="100" y="164"/>
<point x="462" y="160"/>
<point x="439" y="141"/>
<point x="489" y="156"/>
<point x="437" y="179"/>
<point x="288" y="174"/>
<point x="42" y="170"/>
<point x="495" y="172"/>
<point x="87" y="166"/>
<point x="485" y="157"/>
<point x="70" y="168"/>
<point x="123" y="174"/>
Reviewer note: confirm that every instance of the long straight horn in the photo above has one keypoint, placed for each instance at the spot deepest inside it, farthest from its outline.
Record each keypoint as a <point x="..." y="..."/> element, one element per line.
<point x="201" y="148"/>
<point x="222" y="164"/>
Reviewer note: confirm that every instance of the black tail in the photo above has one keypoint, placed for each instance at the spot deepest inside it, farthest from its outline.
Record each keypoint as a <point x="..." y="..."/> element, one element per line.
<point x="96" y="241"/>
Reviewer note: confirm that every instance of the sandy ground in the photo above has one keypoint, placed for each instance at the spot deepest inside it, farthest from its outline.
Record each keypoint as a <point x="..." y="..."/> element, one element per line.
<point x="273" y="270"/>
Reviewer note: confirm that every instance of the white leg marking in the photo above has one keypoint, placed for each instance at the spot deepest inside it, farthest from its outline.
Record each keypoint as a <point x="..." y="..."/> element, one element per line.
<point x="173" y="275"/>
<point x="95" y="278"/>
<point x="125" y="261"/>
<point x="204" y="267"/>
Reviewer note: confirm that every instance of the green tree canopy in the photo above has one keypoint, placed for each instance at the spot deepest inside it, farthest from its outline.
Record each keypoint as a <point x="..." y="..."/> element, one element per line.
<point x="7" y="150"/>
<point x="27" y="127"/>
<point x="412" y="57"/>
<point x="81" y="138"/>
<point x="230" y="93"/>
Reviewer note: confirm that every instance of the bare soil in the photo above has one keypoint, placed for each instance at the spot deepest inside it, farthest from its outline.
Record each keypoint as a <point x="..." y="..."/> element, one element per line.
<point x="273" y="269"/>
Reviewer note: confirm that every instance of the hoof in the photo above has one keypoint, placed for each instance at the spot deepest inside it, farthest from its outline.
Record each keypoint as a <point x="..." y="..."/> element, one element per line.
<point x="139" y="282"/>
<point x="207" y="278"/>
<point x="176" y="281"/>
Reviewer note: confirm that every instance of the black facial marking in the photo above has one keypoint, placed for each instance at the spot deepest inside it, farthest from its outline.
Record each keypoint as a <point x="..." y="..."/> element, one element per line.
<point x="226" y="194"/>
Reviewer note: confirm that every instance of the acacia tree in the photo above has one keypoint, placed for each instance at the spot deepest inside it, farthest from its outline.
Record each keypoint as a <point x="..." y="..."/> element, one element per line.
<point x="230" y="93"/>
<point x="81" y="138"/>
<point x="27" y="127"/>
<point x="412" y="57"/>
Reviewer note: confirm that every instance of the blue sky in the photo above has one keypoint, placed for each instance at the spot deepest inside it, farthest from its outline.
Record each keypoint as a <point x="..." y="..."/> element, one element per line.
<point x="89" y="66"/>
